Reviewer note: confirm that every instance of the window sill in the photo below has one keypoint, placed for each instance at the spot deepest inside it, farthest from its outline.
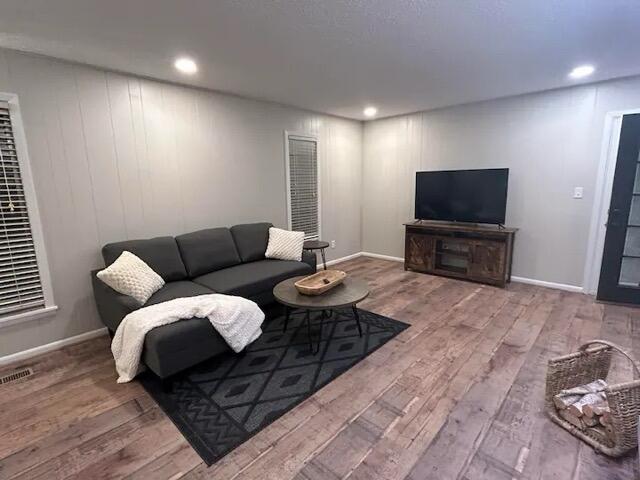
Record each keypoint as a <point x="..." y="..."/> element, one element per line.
<point x="27" y="316"/>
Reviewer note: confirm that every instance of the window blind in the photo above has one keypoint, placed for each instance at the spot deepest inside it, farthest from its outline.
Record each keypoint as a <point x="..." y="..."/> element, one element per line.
<point x="20" y="285"/>
<point x="303" y="186"/>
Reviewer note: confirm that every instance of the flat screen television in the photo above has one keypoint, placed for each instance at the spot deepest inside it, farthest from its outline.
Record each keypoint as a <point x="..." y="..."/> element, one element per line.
<point x="477" y="196"/>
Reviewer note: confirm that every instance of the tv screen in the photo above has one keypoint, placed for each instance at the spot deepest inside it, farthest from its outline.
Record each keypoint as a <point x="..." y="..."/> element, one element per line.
<point x="478" y="196"/>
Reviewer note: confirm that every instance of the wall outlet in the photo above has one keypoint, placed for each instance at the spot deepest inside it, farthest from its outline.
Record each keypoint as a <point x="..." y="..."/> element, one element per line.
<point x="578" y="192"/>
<point x="333" y="244"/>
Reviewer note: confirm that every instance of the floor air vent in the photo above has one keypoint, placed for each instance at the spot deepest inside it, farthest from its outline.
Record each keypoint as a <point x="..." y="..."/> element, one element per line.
<point x="17" y="375"/>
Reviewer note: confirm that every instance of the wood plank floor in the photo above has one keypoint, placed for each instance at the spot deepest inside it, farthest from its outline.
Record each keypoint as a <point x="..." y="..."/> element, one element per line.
<point x="459" y="395"/>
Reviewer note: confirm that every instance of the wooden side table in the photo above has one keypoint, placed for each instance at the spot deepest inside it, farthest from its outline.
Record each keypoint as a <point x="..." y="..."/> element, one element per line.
<point x="312" y="245"/>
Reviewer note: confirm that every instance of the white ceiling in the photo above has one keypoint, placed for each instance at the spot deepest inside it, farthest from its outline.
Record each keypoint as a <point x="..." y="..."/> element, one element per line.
<point x="337" y="56"/>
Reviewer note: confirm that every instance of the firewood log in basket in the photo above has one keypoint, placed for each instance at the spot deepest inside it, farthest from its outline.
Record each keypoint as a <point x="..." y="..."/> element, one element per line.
<point x="608" y="418"/>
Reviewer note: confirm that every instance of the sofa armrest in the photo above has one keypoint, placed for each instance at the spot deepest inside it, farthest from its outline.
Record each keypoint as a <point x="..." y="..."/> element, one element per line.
<point x="112" y="306"/>
<point x="310" y="259"/>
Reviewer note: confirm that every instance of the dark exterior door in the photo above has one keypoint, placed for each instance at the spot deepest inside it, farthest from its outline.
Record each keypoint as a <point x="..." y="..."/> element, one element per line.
<point x="620" y="271"/>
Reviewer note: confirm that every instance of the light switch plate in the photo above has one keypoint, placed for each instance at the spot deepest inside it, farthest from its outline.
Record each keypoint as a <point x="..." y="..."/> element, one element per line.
<point x="578" y="192"/>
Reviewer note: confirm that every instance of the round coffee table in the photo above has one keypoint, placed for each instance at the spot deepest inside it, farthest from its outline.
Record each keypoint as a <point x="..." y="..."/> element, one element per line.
<point x="347" y="294"/>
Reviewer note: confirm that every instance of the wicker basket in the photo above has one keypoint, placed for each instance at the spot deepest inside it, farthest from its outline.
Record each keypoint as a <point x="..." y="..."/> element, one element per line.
<point x="587" y="365"/>
<point x="320" y="282"/>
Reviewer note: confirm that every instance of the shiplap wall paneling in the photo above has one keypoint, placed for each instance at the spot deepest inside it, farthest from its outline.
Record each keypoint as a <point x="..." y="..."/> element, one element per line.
<point x="116" y="157"/>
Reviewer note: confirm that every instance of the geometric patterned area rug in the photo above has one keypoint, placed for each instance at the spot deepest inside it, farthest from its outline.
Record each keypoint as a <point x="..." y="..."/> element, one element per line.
<point x="221" y="403"/>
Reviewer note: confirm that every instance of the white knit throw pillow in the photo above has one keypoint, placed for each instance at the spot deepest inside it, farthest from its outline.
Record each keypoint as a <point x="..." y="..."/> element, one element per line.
<point x="284" y="244"/>
<point x="131" y="276"/>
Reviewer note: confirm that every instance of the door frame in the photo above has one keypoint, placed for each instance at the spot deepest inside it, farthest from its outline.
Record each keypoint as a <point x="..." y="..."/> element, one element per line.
<point x="602" y="197"/>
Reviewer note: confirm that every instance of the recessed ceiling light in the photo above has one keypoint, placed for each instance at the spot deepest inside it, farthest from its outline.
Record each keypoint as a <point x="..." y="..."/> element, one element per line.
<point x="370" y="111"/>
<point x="582" y="71"/>
<point x="186" y="65"/>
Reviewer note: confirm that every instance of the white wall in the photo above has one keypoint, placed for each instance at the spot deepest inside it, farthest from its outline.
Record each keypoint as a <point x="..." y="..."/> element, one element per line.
<point x="117" y="157"/>
<point x="550" y="141"/>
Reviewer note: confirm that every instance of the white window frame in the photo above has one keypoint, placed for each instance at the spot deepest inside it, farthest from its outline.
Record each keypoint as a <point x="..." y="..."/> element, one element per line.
<point x="313" y="138"/>
<point x="49" y="307"/>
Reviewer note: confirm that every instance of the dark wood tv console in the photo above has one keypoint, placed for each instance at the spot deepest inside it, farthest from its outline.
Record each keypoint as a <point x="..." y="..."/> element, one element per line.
<point x="479" y="253"/>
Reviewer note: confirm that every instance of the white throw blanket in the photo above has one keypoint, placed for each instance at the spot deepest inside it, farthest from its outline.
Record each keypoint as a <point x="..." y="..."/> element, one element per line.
<point x="236" y="319"/>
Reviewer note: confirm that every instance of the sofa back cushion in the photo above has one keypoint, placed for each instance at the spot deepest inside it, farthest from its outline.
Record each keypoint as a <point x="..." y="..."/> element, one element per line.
<point x="251" y="240"/>
<point x="207" y="250"/>
<point x="161" y="254"/>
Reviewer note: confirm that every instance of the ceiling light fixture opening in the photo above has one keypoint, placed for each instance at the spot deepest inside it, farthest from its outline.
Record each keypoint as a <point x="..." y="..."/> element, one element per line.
<point x="582" y="71"/>
<point x="186" y="65"/>
<point x="370" y="112"/>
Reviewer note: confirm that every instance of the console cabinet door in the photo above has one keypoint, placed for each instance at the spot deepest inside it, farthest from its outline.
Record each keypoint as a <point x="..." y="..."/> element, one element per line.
<point x="419" y="251"/>
<point x="488" y="261"/>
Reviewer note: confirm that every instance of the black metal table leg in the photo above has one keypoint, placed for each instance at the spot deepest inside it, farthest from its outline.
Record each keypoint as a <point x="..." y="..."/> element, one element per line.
<point x="356" y="315"/>
<point x="287" y="312"/>
<point x="324" y="260"/>
<point x="307" y="317"/>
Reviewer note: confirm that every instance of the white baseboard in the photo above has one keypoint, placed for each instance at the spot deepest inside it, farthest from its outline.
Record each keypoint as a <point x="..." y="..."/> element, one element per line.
<point x="530" y="281"/>
<point x="342" y="259"/>
<point x="364" y="254"/>
<point x="382" y="257"/>
<point x="32" y="352"/>
<point x="543" y="283"/>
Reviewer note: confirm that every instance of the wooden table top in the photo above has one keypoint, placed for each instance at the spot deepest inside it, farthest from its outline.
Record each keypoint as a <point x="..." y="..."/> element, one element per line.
<point x="314" y="244"/>
<point x="347" y="294"/>
<point x="460" y="226"/>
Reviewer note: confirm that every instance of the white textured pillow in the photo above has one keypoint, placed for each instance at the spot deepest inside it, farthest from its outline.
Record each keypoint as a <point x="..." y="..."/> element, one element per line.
<point x="284" y="244"/>
<point x="131" y="276"/>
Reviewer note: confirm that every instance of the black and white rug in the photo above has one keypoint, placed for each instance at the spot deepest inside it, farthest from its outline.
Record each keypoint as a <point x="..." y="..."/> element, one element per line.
<point x="224" y="401"/>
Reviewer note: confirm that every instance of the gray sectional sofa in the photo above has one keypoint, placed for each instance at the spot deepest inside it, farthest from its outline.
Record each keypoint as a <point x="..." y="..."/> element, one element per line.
<point x="216" y="260"/>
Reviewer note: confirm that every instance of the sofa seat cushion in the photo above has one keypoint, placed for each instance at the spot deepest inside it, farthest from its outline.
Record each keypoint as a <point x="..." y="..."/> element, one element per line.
<point x="251" y="279"/>
<point x="177" y="290"/>
<point x="174" y="347"/>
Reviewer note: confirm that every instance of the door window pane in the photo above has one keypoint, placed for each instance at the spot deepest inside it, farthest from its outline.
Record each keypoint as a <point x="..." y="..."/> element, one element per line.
<point x="634" y="214"/>
<point x="632" y="242"/>
<point x="630" y="272"/>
